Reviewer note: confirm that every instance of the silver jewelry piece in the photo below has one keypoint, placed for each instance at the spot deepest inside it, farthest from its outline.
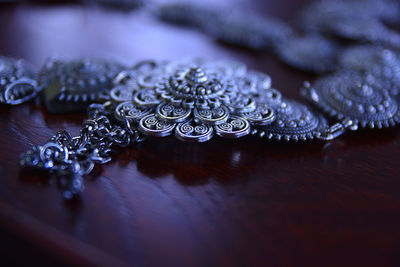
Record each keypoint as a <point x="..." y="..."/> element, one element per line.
<point x="18" y="81"/>
<point x="346" y="95"/>
<point x="70" y="158"/>
<point x="294" y="122"/>
<point x="71" y="85"/>
<point x="196" y="99"/>
<point x="380" y="66"/>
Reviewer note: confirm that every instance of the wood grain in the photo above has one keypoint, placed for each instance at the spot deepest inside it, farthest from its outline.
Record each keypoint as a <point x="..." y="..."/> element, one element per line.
<point x="245" y="202"/>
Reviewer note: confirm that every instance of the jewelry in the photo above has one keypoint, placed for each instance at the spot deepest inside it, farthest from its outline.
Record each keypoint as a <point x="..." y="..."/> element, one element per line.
<point x="17" y="81"/>
<point x="380" y="66"/>
<point x="354" y="20"/>
<point x="71" y="85"/>
<point x="346" y="96"/>
<point x="198" y="99"/>
<point x="315" y="50"/>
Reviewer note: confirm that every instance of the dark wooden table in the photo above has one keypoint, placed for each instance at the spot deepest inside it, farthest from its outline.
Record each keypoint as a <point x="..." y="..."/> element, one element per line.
<point x="244" y="202"/>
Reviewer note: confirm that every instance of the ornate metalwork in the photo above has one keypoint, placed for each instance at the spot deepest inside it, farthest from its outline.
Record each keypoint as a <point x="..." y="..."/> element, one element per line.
<point x="192" y="131"/>
<point x="196" y="100"/>
<point x="235" y="127"/>
<point x="380" y="66"/>
<point x="71" y="85"/>
<point x="18" y="81"/>
<point x="199" y="98"/>
<point x="347" y="96"/>
<point x="70" y="158"/>
<point x="294" y="122"/>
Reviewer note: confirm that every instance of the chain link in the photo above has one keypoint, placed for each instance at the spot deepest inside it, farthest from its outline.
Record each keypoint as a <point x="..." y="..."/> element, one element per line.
<point x="70" y="158"/>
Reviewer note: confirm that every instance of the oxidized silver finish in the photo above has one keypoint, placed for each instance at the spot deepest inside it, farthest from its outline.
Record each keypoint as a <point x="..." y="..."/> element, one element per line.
<point x="70" y="158"/>
<point x="347" y="96"/>
<point x="71" y="85"/>
<point x="18" y="81"/>
<point x="196" y="99"/>
<point x="294" y="122"/>
<point x="380" y="66"/>
<point x="235" y="127"/>
<point x="192" y="131"/>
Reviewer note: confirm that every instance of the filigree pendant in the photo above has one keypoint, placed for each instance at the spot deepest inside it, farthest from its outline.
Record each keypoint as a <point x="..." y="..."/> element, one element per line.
<point x="195" y="101"/>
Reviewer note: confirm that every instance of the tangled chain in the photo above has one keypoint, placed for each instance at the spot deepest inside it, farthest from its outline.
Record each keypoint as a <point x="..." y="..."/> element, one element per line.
<point x="70" y="158"/>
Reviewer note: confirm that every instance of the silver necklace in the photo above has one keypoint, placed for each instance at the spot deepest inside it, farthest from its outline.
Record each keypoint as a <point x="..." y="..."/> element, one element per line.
<point x="196" y="100"/>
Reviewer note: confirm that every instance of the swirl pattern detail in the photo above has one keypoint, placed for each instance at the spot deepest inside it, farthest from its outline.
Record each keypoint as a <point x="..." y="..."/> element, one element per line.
<point x="235" y="127"/>
<point x="170" y="113"/>
<point x="198" y="98"/>
<point x="151" y="125"/>
<point x="192" y="132"/>
<point x="131" y="111"/>
<point x="212" y="116"/>
<point x="146" y="97"/>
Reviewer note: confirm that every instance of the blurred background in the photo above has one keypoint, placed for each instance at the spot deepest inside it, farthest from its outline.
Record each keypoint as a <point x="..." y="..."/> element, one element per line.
<point x="129" y="31"/>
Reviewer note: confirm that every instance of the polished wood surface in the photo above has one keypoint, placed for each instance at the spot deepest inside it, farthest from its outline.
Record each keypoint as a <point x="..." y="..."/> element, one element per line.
<point x="163" y="202"/>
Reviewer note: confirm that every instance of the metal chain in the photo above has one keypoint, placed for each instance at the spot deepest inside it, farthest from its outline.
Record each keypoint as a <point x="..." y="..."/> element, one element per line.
<point x="70" y="158"/>
<point x="197" y="99"/>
